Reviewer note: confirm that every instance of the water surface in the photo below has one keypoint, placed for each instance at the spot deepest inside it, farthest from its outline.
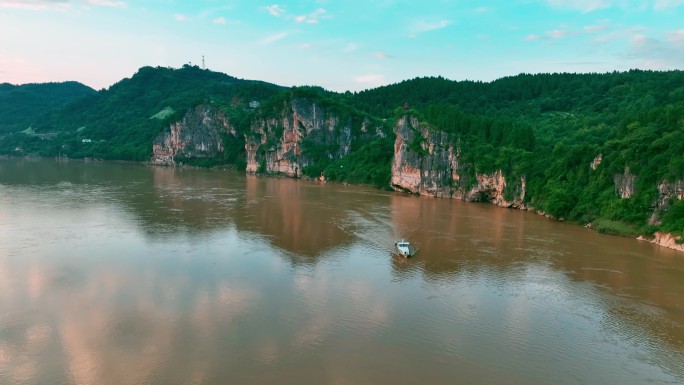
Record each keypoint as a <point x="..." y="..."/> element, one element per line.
<point x="127" y="274"/>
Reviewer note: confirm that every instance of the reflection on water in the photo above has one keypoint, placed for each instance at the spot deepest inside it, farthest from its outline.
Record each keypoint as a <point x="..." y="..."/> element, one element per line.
<point x="127" y="274"/>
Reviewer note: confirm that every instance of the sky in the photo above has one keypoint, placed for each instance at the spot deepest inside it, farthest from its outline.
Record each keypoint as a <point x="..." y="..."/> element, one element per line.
<point x="337" y="44"/>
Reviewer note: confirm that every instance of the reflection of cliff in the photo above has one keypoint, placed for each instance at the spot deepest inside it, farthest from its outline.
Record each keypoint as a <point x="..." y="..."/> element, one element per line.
<point x="191" y="201"/>
<point x="449" y="232"/>
<point x="298" y="216"/>
<point x="460" y="242"/>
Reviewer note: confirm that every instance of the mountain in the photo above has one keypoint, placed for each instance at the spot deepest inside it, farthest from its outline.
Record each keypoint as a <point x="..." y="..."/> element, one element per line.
<point x="121" y="122"/>
<point x="599" y="149"/>
<point x="19" y="105"/>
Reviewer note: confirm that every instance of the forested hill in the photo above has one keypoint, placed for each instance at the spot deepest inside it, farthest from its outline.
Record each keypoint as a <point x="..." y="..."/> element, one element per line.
<point x="601" y="148"/>
<point x="19" y="105"/>
<point x="532" y="95"/>
<point x="123" y="120"/>
<point x="549" y="128"/>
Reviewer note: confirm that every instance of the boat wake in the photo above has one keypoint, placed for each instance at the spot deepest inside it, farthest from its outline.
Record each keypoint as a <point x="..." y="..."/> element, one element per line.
<point x="375" y="229"/>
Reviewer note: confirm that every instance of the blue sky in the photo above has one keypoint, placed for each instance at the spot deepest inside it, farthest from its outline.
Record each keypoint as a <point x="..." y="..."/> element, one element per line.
<point x="340" y="45"/>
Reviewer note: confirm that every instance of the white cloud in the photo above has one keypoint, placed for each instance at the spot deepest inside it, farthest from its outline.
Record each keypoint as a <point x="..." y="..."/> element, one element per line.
<point x="350" y="47"/>
<point x="617" y="35"/>
<point x="588" y="6"/>
<point x="108" y="3"/>
<point x="661" y="5"/>
<point x="654" y="53"/>
<point x="44" y="5"/>
<point x="676" y="37"/>
<point x="275" y="37"/>
<point x="28" y="5"/>
<point x="580" y="5"/>
<point x="311" y="18"/>
<point x="275" y="10"/>
<point x="594" y="28"/>
<point x="373" y="80"/>
<point x="223" y="20"/>
<point x="555" y="34"/>
<point x="482" y="9"/>
<point x="180" y="17"/>
<point x="426" y="26"/>
<point x="381" y="55"/>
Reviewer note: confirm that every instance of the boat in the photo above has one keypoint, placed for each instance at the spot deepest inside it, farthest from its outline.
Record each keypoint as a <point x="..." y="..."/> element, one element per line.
<point x="404" y="248"/>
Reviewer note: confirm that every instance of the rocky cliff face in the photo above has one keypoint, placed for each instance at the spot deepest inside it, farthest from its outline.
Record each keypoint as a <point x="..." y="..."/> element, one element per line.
<point x="624" y="184"/>
<point x="197" y="135"/>
<point x="664" y="239"/>
<point x="427" y="163"/>
<point x="596" y="162"/>
<point x="291" y="141"/>
<point x="667" y="193"/>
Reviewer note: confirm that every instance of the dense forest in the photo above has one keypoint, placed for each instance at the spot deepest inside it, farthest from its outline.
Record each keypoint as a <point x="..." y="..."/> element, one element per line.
<point x="547" y="128"/>
<point x="20" y="105"/>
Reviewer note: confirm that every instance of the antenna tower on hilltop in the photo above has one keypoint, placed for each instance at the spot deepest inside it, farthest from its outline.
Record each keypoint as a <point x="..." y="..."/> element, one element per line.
<point x="203" y="66"/>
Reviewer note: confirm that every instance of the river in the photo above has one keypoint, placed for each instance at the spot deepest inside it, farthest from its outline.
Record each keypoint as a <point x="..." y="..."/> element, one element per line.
<point x="128" y="274"/>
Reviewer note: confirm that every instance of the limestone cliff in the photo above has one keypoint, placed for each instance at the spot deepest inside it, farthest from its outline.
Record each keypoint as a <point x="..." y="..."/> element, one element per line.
<point x="667" y="193"/>
<point x="197" y="135"/>
<point x="296" y="135"/>
<point x="624" y="184"/>
<point x="426" y="162"/>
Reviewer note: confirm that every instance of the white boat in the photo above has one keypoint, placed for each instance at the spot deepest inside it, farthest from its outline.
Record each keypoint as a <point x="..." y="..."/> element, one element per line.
<point x="404" y="248"/>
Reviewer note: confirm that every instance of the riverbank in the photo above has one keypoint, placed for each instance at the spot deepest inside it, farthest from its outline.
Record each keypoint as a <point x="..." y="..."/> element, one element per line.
<point x="666" y="240"/>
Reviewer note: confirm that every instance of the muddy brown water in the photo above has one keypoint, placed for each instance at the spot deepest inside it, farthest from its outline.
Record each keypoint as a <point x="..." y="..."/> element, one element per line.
<point x="128" y="274"/>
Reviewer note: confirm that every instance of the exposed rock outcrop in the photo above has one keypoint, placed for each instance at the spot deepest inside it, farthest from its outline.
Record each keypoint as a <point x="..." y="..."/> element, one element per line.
<point x="667" y="192"/>
<point x="303" y="131"/>
<point x="597" y="161"/>
<point x="197" y="135"/>
<point x="434" y="171"/>
<point x="665" y="240"/>
<point x="427" y="163"/>
<point x="624" y="184"/>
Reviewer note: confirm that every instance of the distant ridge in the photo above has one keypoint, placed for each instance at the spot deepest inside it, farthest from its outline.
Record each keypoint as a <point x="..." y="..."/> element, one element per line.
<point x="20" y="104"/>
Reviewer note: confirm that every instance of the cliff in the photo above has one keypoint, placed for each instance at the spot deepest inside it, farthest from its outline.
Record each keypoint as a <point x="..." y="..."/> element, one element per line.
<point x="624" y="184"/>
<point x="426" y="162"/>
<point x="668" y="192"/>
<point x="199" y="134"/>
<point x="299" y="134"/>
